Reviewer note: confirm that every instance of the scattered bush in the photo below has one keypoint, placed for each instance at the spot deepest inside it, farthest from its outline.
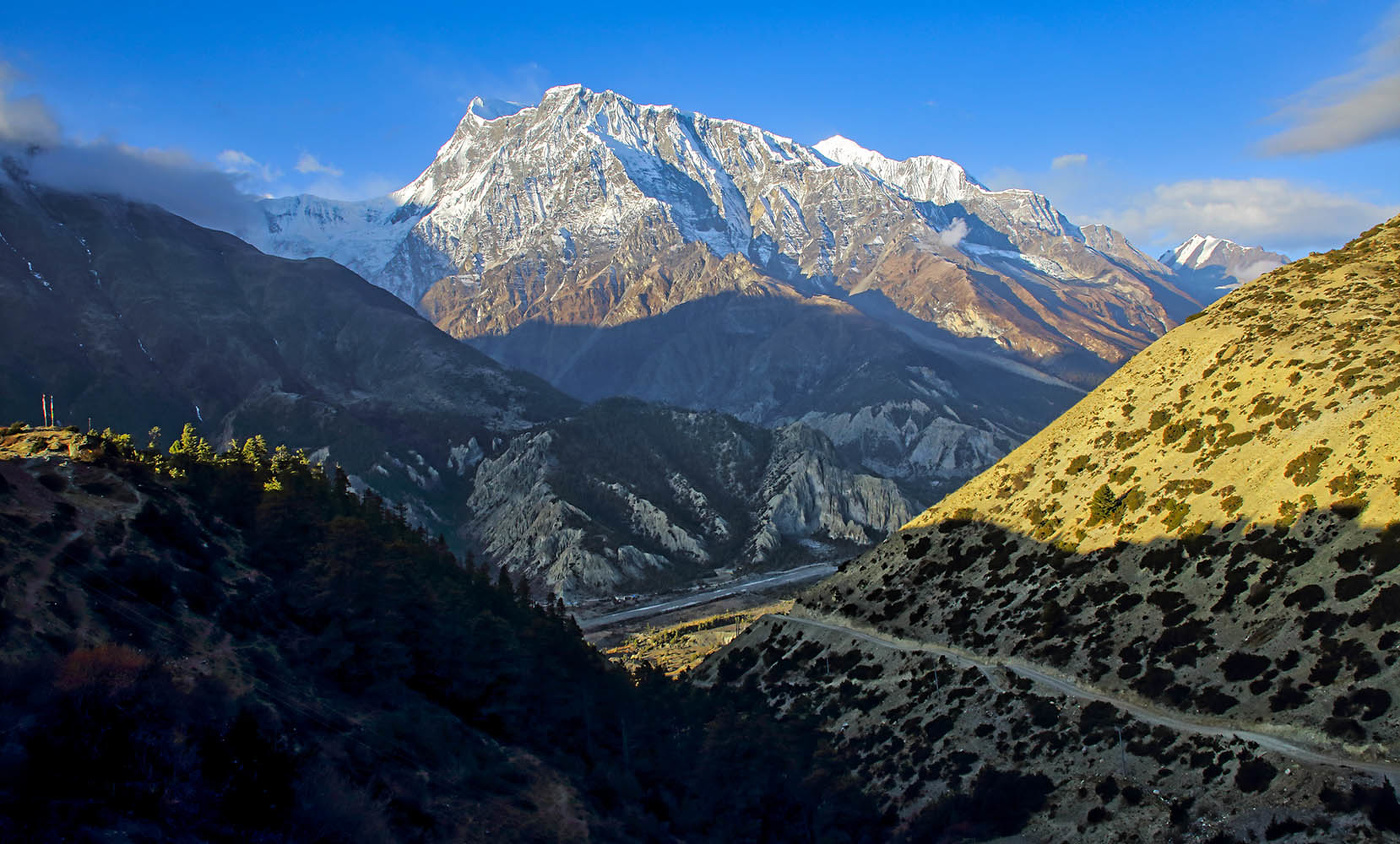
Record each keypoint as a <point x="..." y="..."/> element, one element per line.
<point x="1242" y="666"/>
<point x="1306" y="468"/>
<point x="1349" y="588"/>
<point x="1385" y="608"/>
<point x="1254" y="775"/>
<point x="1104" y="506"/>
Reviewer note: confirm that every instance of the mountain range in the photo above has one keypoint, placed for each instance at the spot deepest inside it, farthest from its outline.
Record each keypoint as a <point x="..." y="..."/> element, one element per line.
<point x="922" y="325"/>
<point x="600" y="347"/>
<point x="926" y="323"/>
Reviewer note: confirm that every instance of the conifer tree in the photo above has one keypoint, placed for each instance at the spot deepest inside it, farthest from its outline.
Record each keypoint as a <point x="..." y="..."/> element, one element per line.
<point x="255" y="450"/>
<point x="1103" y="506"/>
<point x="193" y="445"/>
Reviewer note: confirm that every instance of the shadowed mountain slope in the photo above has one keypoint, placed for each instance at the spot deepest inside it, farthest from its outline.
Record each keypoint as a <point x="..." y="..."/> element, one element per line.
<point x="134" y="317"/>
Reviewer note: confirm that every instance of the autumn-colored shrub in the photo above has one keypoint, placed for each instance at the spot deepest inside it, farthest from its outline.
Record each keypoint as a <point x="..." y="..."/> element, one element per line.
<point x="105" y="668"/>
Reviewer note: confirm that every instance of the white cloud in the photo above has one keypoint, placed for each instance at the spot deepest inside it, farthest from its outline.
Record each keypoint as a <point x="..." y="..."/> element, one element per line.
<point x="953" y="235"/>
<point x="1349" y="110"/>
<point x="308" y="163"/>
<point x="1250" y="272"/>
<point x="1074" y="159"/>
<point x="170" y="178"/>
<point x="236" y="161"/>
<point x="1275" y="213"/>
<point x="32" y="138"/>
<point x="24" y="120"/>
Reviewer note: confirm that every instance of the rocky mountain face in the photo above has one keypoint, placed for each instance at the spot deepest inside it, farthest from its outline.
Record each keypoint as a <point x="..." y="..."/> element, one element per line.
<point x="626" y="494"/>
<point x="1208" y="267"/>
<point x="1179" y="603"/>
<point x="561" y="236"/>
<point x="133" y="317"/>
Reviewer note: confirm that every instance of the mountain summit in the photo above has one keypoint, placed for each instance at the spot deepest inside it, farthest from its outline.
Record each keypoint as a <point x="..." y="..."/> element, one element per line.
<point x="926" y="177"/>
<point x="550" y="192"/>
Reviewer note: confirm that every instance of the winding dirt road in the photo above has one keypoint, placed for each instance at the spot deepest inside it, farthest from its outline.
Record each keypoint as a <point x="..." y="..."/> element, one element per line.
<point x="1179" y="721"/>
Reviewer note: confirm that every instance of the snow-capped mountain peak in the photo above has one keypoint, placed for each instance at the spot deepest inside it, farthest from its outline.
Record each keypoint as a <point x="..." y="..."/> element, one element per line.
<point x="1204" y="250"/>
<point x="1196" y="251"/>
<point x="533" y="209"/>
<point x="843" y="150"/>
<point x="1216" y="265"/>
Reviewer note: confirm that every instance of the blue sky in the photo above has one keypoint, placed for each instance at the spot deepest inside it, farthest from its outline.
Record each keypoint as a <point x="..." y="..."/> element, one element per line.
<point x="1275" y="123"/>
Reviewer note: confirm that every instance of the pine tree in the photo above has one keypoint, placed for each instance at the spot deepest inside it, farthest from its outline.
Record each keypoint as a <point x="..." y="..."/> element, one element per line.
<point x="255" y="451"/>
<point x="1103" y="506"/>
<point x="193" y="445"/>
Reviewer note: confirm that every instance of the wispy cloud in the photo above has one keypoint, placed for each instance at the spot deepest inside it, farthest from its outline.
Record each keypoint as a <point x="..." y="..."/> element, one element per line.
<point x="32" y="136"/>
<point x="170" y="178"/>
<point x="308" y="163"/>
<point x="1250" y="272"/>
<point x="241" y="163"/>
<point x="1276" y="213"/>
<point x="1073" y="159"/>
<point x="523" y="83"/>
<point x="24" y="120"/>
<point x="1354" y="108"/>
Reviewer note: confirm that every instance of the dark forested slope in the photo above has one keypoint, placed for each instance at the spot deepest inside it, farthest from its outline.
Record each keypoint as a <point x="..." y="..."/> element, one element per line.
<point x="204" y="647"/>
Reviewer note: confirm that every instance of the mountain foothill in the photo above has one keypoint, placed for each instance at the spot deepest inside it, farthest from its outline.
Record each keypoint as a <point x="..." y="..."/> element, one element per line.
<point x="1179" y="602"/>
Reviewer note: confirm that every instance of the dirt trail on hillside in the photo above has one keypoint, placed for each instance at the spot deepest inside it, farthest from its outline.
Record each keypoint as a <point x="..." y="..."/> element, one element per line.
<point x="1179" y="721"/>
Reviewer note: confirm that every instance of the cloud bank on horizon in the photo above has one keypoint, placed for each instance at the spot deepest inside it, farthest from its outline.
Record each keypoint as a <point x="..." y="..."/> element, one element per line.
<point x="217" y="194"/>
<point x="1275" y="213"/>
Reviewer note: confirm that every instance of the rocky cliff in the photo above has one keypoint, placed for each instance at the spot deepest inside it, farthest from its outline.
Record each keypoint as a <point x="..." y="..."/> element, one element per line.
<point x="625" y="495"/>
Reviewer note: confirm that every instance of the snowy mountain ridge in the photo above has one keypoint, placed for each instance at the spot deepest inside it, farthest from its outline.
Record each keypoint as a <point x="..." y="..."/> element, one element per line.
<point x="1196" y="251"/>
<point x="586" y="167"/>
<point x="926" y="178"/>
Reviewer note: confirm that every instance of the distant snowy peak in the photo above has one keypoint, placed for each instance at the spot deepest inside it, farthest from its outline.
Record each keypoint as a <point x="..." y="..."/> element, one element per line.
<point x="926" y="178"/>
<point x="1196" y="251"/>
<point x="1228" y="259"/>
